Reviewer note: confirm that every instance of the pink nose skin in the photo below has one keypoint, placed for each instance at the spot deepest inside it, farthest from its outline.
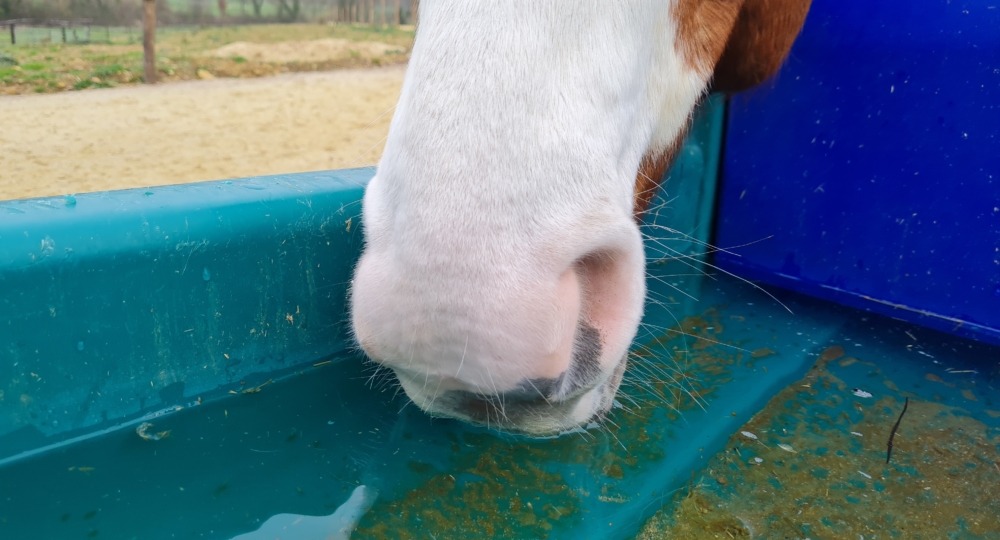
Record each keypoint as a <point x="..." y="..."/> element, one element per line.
<point x="510" y="350"/>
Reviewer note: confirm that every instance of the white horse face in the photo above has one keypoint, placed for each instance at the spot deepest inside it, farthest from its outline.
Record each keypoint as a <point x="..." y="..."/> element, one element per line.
<point x="503" y="275"/>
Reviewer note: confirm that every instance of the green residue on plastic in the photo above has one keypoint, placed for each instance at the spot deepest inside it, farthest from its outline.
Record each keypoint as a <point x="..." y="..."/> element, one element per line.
<point x="495" y="487"/>
<point x="928" y="490"/>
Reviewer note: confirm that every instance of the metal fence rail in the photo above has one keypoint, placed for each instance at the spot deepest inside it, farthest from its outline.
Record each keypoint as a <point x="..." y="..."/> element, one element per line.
<point x="50" y="24"/>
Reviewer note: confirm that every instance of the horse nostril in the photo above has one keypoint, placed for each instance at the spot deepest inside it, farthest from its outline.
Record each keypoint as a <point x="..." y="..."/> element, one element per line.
<point x="586" y="361"/>
<point x="584" y="369"/>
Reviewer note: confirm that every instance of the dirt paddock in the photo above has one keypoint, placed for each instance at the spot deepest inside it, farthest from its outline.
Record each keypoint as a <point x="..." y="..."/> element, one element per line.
<point x="191" y="131"/>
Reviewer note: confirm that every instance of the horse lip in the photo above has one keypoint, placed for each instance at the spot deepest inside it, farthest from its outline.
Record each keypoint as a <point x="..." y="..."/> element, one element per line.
<point x="506" y="419"/>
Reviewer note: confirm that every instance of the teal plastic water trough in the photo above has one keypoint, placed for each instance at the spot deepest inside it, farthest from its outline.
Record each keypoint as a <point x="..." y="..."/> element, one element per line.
<point x="120" y="304"/>
<point x="116" y="305"/>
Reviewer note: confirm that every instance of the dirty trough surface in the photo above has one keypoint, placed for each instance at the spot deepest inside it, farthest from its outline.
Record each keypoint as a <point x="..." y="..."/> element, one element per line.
<point x="737" y="419"/>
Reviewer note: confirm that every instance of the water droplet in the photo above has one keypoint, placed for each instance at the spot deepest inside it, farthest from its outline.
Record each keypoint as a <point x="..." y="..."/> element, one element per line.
<point x="79" y="346"/>
<point x="206" y="274"/>
<point x="70" y="200"/>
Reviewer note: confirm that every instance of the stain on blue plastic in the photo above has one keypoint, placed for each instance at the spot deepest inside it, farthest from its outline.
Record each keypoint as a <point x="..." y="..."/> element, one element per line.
<point x="872" y="163"/>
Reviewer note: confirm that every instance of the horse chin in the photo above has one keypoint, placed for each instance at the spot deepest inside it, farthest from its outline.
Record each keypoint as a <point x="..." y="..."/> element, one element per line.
<point x="538" y="420"/>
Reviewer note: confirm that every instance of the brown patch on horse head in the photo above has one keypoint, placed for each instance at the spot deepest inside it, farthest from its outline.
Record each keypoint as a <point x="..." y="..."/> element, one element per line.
<point x="703" y="27"/>
<point x="651" y="169"/>
<point x="759" y="42"/>
<point x="743" y="41"/>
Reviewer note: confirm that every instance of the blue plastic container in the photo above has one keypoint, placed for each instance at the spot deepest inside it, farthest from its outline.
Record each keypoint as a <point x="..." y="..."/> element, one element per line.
<point x="868" y="173"/>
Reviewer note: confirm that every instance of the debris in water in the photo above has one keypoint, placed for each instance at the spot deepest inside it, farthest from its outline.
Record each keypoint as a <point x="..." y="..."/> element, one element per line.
<point x="142" y="431"/>
<point x="758" y="460"/>
<point x="255" y="389"/>
<point x="787" y="448"/>
<point x="861" y="393"/>
<point x="856" y="434"/>
<point x="83" y="469"/>
<point x="892" y="433"/>
<point x="748" y="435"/>
<point x="866" y="475"/>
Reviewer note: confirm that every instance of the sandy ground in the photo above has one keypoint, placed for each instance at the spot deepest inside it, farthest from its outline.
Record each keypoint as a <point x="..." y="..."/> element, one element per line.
<point x="317" y="50"/>
<point x="192" y="131"/>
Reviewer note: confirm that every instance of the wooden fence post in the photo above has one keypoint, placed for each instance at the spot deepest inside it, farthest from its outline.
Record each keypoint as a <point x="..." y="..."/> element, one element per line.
<point x="395" y="13"/>
<point x="149" y="41"/>
<point x="13" y="40"/>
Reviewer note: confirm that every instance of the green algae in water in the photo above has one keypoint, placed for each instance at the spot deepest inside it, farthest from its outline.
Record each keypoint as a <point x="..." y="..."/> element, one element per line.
<point x="500" y="486"/>
<point x="939" y="483"/>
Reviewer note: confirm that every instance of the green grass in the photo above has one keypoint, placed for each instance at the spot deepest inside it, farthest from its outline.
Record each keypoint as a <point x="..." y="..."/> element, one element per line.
<point x="108" y="70"/>
<point x="115" y="57"/>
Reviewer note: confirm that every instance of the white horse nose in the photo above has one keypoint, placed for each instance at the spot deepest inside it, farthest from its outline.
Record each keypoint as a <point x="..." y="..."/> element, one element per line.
<point x="496" y="338"/>
<point x="462" y="346"/>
